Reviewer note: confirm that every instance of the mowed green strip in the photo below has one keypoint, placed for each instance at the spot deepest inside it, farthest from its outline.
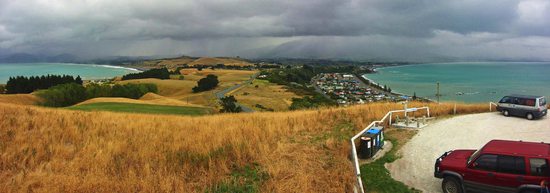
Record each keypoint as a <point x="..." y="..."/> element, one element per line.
<point x="142" y="108"/>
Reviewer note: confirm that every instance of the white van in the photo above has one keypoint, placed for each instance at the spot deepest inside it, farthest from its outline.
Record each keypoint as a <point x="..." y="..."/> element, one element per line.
<point x="530" y="107"/>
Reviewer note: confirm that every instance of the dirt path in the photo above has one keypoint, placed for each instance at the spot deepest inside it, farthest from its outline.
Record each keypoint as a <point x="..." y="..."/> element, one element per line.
<point x="415" y="168"/>
<point x="222" y="93"/>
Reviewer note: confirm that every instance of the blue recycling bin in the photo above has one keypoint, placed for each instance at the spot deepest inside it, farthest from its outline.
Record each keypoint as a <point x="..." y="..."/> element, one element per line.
<point x="378" y="136"/>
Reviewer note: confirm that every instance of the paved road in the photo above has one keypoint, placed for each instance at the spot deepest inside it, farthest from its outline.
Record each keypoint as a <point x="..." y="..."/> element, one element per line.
<point x="416" y="166"/>
<point x="222" y="93"/>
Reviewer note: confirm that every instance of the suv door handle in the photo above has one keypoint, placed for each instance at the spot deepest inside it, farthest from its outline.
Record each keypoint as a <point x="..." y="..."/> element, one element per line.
<point x="490" y="174"/>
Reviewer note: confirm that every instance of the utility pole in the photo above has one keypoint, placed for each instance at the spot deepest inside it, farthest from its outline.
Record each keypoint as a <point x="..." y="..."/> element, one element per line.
<point x="437" y="94"/>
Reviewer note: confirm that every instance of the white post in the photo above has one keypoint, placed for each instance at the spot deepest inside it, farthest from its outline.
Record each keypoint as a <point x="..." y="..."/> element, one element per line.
<point x="454" y="109"/>
<point x="428" y="111"/>
<point x="390" y="118"/>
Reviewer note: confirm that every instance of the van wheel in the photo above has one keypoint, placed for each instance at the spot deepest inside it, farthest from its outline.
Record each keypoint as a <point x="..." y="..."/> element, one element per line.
<point x="451" y="185"/>
<point x="529" y="116"/>
<point x="506" y="113"/>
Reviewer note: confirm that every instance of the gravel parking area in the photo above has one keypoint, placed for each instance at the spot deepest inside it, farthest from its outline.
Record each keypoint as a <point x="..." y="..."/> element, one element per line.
<point x="415" y="168"/>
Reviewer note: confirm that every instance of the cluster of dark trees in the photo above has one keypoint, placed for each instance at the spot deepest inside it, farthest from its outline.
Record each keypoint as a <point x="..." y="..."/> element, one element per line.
<point x="308" y="102"/>
<point x="200" y="67"/>
<point x="386" y="88"/>
<point x="229" y="105"/>
<point x="22" y="84"/>
<point x="160" y="73"/>
<point x="69" y="94"/>
<point x="205" y="84"/>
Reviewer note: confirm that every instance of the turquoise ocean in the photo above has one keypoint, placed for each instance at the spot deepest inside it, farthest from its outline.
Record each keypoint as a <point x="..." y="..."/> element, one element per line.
<point x="86" y="71"/>
<point x="467" y="82"/>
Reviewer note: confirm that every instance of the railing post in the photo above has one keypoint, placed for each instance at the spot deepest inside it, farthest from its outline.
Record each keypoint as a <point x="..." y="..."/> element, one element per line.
<point x="358" y="135"/>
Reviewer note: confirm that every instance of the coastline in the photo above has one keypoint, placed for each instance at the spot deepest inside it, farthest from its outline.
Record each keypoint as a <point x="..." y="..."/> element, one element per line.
<point x="29" y="69"/>
<point x="364" y="76"/>
<point x="119" y="67"/>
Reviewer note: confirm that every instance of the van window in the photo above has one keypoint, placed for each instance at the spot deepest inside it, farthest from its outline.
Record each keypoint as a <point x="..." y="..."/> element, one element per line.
<point x="526" y="102"/>
<point x="530" y="102"/>
<point x="486" y="162"/>
<point x="539" y="167"/>
<point x="511" y="164"/>
<point x="506" y="100"/>
<point x="542" y="102"/>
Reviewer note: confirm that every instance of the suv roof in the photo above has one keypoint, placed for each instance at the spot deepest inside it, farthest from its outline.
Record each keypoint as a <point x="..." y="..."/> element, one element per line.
<point x="517" y="148"/>
<point x="525" y="96"/>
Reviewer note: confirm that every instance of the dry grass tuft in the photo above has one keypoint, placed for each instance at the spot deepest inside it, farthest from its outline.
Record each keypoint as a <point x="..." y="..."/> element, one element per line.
<point x="55" y="150"/>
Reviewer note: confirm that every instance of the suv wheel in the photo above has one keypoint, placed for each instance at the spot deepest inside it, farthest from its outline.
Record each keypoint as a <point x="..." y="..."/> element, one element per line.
<point x="506" y="113"/>
<point x="530" y="116"/>
<point x="451" y="185"/>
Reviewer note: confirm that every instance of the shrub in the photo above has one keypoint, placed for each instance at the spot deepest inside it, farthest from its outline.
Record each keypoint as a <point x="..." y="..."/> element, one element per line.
<point x="208" y="83"/>
<point x="133" y="91"/>
<point x="2" y="89"/>
<point x="96" y="90"/>
<point x="310" y="102"/>
<point x="63" y="95"/>
<point x="72" y="93"/>
<point x="229" y="105"/>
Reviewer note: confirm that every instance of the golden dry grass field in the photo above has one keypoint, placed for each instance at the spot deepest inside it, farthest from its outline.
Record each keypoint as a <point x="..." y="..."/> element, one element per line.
<point x="182" y="89"/>
<point x="213" y="61"/>
<point x="149" y="98"/>
<point x="57" y="150"/>
<point x="264" y="93"/>
<point x="20" y="99"/>
<point x="172" y="63"/>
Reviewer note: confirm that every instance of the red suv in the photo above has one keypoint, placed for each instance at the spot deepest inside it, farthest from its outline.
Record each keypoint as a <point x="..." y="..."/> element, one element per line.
<point x="500" y="166"/>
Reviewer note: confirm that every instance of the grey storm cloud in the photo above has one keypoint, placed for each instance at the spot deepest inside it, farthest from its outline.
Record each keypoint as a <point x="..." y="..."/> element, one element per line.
<point x="362" y="29"/>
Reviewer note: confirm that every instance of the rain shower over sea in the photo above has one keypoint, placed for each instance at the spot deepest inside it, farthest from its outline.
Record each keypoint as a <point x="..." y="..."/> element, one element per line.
<point x="86" y="71"/>
<point x="468" y="81"/>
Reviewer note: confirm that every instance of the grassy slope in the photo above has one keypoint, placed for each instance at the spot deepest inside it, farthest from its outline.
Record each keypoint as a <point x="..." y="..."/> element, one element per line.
<point x="182" y="89"/>
<point x="58" y="150"/>
<point x="141" y="108"/>
<point x="267" y="94"/>
<point x="172" y="63"/>
<point x="20" y="99"/>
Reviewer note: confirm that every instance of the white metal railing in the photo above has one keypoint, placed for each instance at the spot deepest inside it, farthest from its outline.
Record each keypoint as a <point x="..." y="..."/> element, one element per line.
<point x="374" y="123"/>
<point x="491" y="105"/>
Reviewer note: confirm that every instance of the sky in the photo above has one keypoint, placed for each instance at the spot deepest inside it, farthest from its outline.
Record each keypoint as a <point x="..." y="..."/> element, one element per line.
<point x="402" y="30"/>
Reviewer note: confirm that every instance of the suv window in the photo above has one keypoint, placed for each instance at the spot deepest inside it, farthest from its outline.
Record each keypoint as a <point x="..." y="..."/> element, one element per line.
<point x="486" y="162"/>
<point x="539" y="167"/>
<point x="542" y="102"/>
<point x="506" y="100"/>
<point x="511" y="164"/>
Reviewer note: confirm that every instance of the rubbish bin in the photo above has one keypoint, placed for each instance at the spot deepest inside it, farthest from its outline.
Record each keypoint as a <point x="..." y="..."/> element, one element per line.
<point x="374" y="142"/>
<point x="379" y="131"/>
<point x="365" y="147"/>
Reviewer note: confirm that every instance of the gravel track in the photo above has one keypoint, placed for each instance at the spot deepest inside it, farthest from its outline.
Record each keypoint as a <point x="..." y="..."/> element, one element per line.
<point x="416" y="166"/>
